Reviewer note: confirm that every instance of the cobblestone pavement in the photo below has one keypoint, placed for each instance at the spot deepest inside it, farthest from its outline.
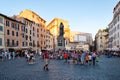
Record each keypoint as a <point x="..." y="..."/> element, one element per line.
<point x="19" y="69"/>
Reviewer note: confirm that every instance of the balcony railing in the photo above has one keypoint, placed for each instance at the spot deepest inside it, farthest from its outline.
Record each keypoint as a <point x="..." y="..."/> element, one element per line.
<point x="11" y="45"/>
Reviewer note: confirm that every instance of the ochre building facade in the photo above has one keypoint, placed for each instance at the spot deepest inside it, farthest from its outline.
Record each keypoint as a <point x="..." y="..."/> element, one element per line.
<point x="54" y="28"/>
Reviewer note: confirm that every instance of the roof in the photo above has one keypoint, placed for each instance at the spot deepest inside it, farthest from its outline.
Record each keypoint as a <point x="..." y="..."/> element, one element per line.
<point x="10" y="18"/>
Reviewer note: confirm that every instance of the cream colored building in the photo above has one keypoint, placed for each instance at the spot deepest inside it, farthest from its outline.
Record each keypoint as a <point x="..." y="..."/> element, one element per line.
<point x="100" y="39"/>
<point x="83" y="37"/>
<point x="2" y="35"/>
<point x="114" y="28"/>
<point x="54" y="28"/>
<point x="72" y="34"/>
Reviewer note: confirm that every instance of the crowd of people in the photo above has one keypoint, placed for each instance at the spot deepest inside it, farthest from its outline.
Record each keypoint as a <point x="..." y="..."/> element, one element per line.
<point x="6" y="55"/>
<point x="75" y="57"/>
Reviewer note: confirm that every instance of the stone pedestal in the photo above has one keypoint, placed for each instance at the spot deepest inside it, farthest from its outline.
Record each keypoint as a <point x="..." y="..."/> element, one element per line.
<point x="61" y="42"/>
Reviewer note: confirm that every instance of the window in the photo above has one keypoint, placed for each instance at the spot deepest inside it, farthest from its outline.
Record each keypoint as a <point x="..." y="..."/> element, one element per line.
<point x="23" y="35"/>
<point x="34" y="43"/>
<point x="118" y="26"/>
<point x="118" y="18"/>
<point x="8" y="42"/>
<point x="30" y="44"/>
<point x="30" y="38"/>
<point x="16" y="33"/>
<point x="12" y="24"/>
<point x="119" y="10"/>
<point x="1" y="28"/>
<point x="37" y="35"/>
<point x="26" y="43"/>
<point x="12" y="33"/>
<point x="26" y="31"/>
<point x="38" y="30"/>
<point x="17" y="26"/>
<point x="30" y="31"/>
<point x="41" y="35"/>
<point x="30" y="25"/>
<point x="26" y="37"/>
<point x="13" y="42"/>
<point x="8" y="32"/>
<point x="115" y="43"/>
<point x="115" y="28"/>
<point x="17" y="43"/>
<point x="118" y="34"/>
<point x="38" y="44"/>
<point x="101" y="46"/>
<point x="0" y="41"/>
<point x="33" y="29"/>
<point x="100" y="37"/>
<point x="22" y="43"/>
<point x="23" y="28"/>
<point x="7" y="23"/>
<point x="115" y="36"/>
<point x="1" y="20"/>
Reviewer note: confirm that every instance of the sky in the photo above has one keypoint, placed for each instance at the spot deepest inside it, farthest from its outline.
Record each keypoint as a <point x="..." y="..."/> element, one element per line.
<point x="82" y="15"/>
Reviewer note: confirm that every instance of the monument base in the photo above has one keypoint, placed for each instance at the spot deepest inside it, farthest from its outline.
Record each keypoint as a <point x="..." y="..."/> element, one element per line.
<point x="59" y="47"/>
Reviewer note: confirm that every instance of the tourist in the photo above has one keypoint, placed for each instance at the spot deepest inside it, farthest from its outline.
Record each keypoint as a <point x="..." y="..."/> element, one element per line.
<point x="46" y="59"/>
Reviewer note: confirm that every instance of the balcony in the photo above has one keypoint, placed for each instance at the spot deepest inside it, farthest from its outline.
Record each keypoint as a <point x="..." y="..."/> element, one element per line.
<point x="11" y="45"/>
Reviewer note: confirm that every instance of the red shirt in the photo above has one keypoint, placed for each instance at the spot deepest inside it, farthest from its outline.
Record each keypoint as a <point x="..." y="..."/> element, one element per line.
<point x="46" y="55"/>
<point x="65" y="55"/>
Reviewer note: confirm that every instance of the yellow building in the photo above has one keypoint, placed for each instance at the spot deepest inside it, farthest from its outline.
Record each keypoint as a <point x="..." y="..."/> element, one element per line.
<point x="54" y="28"/>
<point x="32" y="16"/>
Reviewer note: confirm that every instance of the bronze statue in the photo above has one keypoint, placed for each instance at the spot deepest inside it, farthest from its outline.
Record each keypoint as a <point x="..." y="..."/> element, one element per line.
<point x="61" y="32"/>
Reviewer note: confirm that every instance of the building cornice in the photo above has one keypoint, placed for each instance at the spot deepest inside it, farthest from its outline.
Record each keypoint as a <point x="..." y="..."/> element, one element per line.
<point x="116" y="6"/>
<point x="10" y="18"/>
